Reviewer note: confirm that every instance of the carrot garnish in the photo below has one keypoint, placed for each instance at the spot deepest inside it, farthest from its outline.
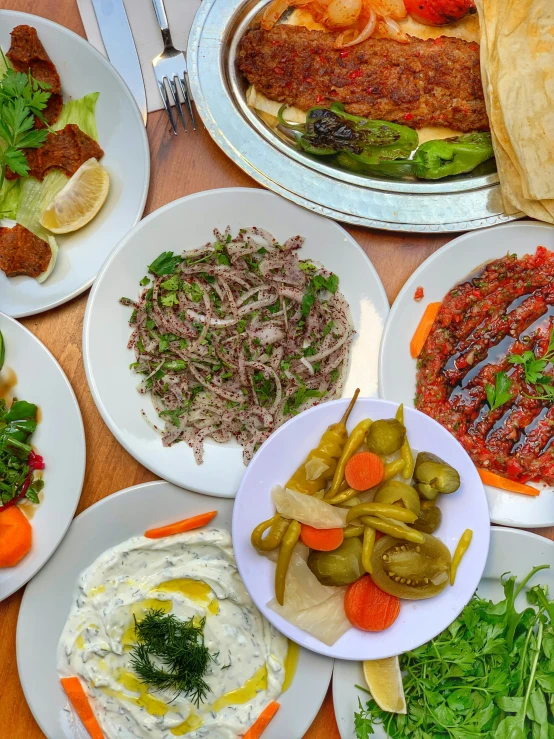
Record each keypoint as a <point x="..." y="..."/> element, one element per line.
<point x="79" y="701"/>
<point x="364" y="470"/>
<point x="497" y="481"/>
<point x="368" y="608"/>
<point x="187" y="524"/>
<point x="322" y="540"/>
<point x="16" y="536"/>
<point x="422" y="331"/>
<point x="261" y="723"/>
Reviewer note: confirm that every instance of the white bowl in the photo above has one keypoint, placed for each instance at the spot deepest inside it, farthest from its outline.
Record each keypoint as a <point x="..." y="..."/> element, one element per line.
<point x="467" y="508"/>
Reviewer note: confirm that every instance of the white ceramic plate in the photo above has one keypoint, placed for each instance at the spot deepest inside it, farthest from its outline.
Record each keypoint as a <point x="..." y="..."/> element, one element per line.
<point x="186" y="224"/>
<point x="59" y="438"/>
<point x="437" y="275"/>
<point x="511" y="551"/>
<point x="107" y="523"/>
<point x="121" y="134"/>
<point x="419" y="621"/>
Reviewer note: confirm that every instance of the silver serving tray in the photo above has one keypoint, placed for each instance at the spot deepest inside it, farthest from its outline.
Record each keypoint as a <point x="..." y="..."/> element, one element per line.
<point x="455" y="204"/>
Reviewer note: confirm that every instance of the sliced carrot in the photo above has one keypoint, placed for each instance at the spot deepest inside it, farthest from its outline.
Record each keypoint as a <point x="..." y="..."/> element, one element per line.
<point x="368" y="608"/>
<point x="261" y="723"/>
<point x="422" y="331"/>
<point x="322" y="540"/>
<point x="16" y="536"/>
<point x="497" y="481"/>
<point x="187" y="524"/>
<point x="364" y="470"/>
<point x="79" y="701"/>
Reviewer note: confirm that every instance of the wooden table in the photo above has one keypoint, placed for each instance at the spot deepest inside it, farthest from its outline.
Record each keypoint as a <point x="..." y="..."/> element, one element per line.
<point x="180" y="165"/>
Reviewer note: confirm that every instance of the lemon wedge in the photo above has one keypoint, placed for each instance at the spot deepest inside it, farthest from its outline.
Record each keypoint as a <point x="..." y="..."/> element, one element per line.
<point x="79" y="201"/>
<point x="384" y="680"/>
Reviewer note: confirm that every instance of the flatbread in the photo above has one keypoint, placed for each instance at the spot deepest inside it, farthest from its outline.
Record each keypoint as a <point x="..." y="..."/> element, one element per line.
<point x="517" y="67"/>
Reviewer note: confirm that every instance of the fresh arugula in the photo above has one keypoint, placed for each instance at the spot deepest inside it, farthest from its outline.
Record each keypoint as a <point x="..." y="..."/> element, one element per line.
<point x="490" y="675"/>
<point x="533" y="368"/>
<point x="22" y="99"/>
<point x="499" y="393"/>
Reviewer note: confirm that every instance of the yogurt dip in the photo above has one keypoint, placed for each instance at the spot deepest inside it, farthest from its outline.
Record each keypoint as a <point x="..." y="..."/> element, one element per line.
<point x="190" y="574"/>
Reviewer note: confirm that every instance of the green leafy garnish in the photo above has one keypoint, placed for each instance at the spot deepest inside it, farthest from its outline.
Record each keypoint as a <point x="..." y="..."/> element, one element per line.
<point x="165" y="264"/>
<point x="303" y="393"/>
<point x="500" y="393"/>
<point x="489" y="675"/>
<point x="22" y="98"/>
<point x="316" y="285"/>
<point x="533" y="369"/>
<point x="171" y="654"/>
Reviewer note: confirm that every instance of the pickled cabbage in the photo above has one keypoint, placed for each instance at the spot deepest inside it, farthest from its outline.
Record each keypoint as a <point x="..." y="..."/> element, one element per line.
<point x="325" y="621"/>
<point x="307" y="509"/>
<point x="315" y="467"/>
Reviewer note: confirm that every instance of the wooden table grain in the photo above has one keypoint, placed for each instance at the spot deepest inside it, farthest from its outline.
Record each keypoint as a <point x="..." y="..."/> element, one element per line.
<point x="180" y="166"/>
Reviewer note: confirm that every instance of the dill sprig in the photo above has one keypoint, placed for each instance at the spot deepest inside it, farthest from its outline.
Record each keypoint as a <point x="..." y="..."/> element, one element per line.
<point x="181" y="657"/>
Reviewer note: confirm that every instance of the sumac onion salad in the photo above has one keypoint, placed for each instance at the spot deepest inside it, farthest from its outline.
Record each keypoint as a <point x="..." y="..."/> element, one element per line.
<point x="486" y="370"/>
<point x="234" y="338"/>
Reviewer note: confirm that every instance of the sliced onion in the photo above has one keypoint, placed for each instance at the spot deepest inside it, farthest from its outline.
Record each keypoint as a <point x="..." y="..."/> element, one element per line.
<point x="275" y="10"/>
<point x="391" y="8"/>
<point x="341" y="13"/>
<point x="341" y="40"/>
<point x="390" y="29"/>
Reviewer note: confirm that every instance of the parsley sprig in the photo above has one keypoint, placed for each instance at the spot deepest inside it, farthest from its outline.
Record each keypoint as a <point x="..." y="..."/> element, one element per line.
<point x="499" y="393"/>
<point x="22" y="98"/>
<point x="533" y="368"/>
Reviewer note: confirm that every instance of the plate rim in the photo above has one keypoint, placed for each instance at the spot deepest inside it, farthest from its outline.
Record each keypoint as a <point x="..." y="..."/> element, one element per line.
<point x="82" y="437"/>
<point x="442" y="253"/>
<point x="29" y="18"/>
<point x="495" y="530"/>
<point x="101" y="407"/>
<point x="19" y="637"/>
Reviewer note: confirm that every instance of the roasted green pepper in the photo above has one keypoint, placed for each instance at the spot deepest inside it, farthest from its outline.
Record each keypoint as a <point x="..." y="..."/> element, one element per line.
<point x="442" y="158"/>
<point x="328" y="131"/>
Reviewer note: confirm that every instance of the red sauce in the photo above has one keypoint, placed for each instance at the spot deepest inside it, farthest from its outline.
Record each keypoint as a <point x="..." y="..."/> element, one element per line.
<point x="419" y="294"/>
<point x="505" y="308"/>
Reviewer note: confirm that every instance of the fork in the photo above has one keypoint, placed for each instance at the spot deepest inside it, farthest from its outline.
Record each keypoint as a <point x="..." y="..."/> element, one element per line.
<point x="170" y="68"/>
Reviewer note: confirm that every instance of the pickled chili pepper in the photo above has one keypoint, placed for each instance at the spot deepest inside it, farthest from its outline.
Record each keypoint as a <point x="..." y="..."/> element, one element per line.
<point x="395" y="512"/>
<point x="277" y="528"/>
<point x="393" y="528"/>
<point x="393" y="468"/>
<point x="353" y="530"/>
<point x="367" y="548"/>
<point x="342" y="497"/>
<point x="461" y="549"/>
<point x="405" y="450"/>
<point x="354" y="440"/>
<point x="328" y="450"/>
<point x="289" y="541"/>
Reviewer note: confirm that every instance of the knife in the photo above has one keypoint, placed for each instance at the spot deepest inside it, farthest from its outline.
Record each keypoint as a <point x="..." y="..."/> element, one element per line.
<point x="120" y="46"/>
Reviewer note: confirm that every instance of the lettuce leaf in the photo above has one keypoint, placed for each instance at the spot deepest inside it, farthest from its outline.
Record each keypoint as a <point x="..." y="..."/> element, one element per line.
<point x="10" y="195"/>
<point x="35" y="195"/>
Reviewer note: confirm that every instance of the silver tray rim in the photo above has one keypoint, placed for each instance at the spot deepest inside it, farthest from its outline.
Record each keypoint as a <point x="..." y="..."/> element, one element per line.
<point x="237" y="130"/>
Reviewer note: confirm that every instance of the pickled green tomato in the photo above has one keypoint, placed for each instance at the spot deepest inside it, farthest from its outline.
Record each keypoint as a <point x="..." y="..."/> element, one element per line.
<point x="342" y="566"/>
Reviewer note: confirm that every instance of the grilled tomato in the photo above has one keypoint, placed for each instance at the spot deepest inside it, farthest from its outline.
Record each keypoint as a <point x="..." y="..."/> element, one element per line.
<point x="439" y="12"/>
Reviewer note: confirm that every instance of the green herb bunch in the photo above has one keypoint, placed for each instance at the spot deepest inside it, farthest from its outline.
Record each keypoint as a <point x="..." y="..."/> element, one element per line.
<point x="171" y="654"/>
<point x="22" y="99"/>
<point x="490" y="675"/>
